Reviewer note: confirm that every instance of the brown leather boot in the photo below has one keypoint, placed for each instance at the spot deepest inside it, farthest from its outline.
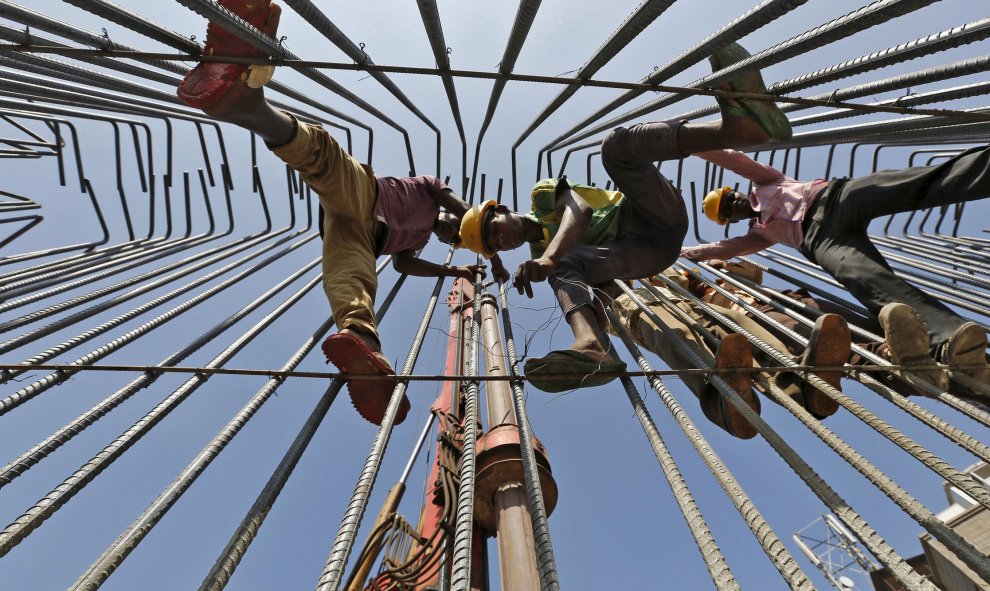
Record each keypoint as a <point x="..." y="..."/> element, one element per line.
<point x="829" y="345"/>
<point x="733" y="353"/>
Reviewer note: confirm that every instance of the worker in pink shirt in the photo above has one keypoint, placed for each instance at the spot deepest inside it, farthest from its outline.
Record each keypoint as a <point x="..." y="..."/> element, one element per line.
<point x="365" y="215"/>
<point x="827" y="222"/>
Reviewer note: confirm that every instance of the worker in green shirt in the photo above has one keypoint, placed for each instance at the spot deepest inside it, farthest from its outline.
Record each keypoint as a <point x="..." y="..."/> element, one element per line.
<point x="582" y="238"/>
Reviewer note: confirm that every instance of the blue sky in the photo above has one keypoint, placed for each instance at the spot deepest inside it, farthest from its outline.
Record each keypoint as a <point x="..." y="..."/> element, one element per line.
<point x="616" y="523"/>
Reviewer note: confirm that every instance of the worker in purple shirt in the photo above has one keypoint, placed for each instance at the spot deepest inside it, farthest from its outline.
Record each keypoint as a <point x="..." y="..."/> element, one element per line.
<point x="827" y="222"/>
<point x="365" y="215"/>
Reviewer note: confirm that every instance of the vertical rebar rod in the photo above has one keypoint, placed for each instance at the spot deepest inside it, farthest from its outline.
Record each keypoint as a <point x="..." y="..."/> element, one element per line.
<point x="460" y="570"/>
<point x="343" y="543"/>
<point x="785" y="564"/>
<point x="549" y="580"/>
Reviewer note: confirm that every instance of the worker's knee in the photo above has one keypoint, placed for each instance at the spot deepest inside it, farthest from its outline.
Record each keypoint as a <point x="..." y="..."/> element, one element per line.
<point x="614" y="146"/>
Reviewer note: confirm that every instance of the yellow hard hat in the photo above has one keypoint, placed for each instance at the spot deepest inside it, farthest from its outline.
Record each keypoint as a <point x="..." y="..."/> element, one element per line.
<point x="473" y="228"/>
<point x="711" y="204"/>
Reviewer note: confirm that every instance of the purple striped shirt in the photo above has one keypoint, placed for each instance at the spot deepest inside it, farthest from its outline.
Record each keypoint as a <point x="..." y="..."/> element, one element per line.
<point x="408" y="206"/>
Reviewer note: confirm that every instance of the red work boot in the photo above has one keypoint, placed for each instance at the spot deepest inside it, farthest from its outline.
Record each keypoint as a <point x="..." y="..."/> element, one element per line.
<point x="209" y="82"/>
<point x="369" y="397"/>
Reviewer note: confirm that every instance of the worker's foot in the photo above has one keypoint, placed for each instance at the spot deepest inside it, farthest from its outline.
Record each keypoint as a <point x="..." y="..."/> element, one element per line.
<point x="207" y="83"/>
<point x="747" y="121"/>
<point x="906" y="336"/>
<point x="828" y="346"/>
<point x="349" y="351"/>
<point x="733" y="353"/>
<point x="967" y="347"/>
<point x="565" y="369"/>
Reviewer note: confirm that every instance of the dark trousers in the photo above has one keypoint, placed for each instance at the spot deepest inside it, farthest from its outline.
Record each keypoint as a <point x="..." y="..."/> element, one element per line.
<point x="836" y="235"/>
<point x="653" y="219"/>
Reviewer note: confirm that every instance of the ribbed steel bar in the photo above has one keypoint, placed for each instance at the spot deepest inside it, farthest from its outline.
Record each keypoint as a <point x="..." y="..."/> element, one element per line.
<point x="974" y="411"/>
<point x="774" y="548"/>
<point x="521" y="26"/>
<point x="43" y="384"/>
<point x="952" y="539"/>
<point x="223" y="569"/>
<point x="343" y="543"/>
<point x="892" y="434"/>
<point x="860" y="528"/>
<point x="910" y="130"/>
<point x="714" y="560"/>
<point x="758" y="17"/>
<point x="23" y="462"/>
<point x="641" y="17"/>
<point x="56" y="282"/>
<point x="245" y="533"/>
<point x="830" y="32"/>
<point x="319" y="21"/>
<point x="943" y="427"/>
<point x="972" y="32"/>
<point x="21" y="527"/>
<point x="434" y="31"/>
<point x="942" y="41"/>
<point x="64" y="322"/>
<point x="924" y="98"/>
<point x="545" y="560"/>
<point x="230" y="22"/>
<point x="461" y="554"/>
<point x="139" y="25"/>
<point x="134" y="22"/>
<point x="114" y="555"/>
<point x="947" y="264"/>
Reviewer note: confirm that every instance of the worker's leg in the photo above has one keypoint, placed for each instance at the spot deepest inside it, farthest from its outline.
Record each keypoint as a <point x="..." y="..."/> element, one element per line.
<point x="964" y="177"/>
<point x="575" y="277"/>
<point x="729" y="353"/>
<point x="846" y="252"/>
<point x="347" y="193"/>
<point x="232" y="92"/>
<point x="828" y="346"/>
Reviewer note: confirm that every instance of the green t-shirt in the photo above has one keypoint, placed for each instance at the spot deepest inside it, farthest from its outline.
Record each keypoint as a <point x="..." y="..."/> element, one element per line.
<point x="604" y="225"/>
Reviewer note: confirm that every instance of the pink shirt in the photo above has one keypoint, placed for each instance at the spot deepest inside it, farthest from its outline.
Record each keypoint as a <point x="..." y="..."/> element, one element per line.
<point x="780" y="200"/>
<point x="408" y="207"/>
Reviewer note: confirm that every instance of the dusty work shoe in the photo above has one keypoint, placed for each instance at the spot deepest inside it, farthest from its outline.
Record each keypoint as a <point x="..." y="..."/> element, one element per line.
<point x="907" y="342"/>
<point x="369" y="397"/>
<point x="733" y="353"/>
<point x="968" y="347"/>
<point x="207" y="83"/>
<point x="829" y="345"/>
<point x="767" y="114"/>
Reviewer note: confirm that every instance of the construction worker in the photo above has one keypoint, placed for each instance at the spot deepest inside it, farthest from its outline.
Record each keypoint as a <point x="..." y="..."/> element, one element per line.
<point x="579" y="245"/>
<point x="827" y="221"/>
<point x="829" y="346"/>
<point x="816" y="307"/>
<point x="364" y="215"/>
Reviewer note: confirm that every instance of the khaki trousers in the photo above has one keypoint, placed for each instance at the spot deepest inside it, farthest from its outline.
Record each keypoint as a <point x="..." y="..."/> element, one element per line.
<point x="346" y="189"/>
<point x="648" y="334"/>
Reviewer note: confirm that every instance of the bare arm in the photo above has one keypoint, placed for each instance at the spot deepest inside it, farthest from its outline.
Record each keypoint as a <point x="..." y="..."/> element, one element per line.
<point x="575" y="216"/>
<point x="499" y="272"/>
<point x="742" y="165"/>
<point x="407" y="262"/>
<point x="726" y="249"/>
<point x="448" y="200"/>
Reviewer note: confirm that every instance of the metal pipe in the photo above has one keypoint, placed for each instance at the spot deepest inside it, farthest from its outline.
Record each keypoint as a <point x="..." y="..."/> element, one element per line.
<point x="516" y="544"/>
<point x="521" y="25"/>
